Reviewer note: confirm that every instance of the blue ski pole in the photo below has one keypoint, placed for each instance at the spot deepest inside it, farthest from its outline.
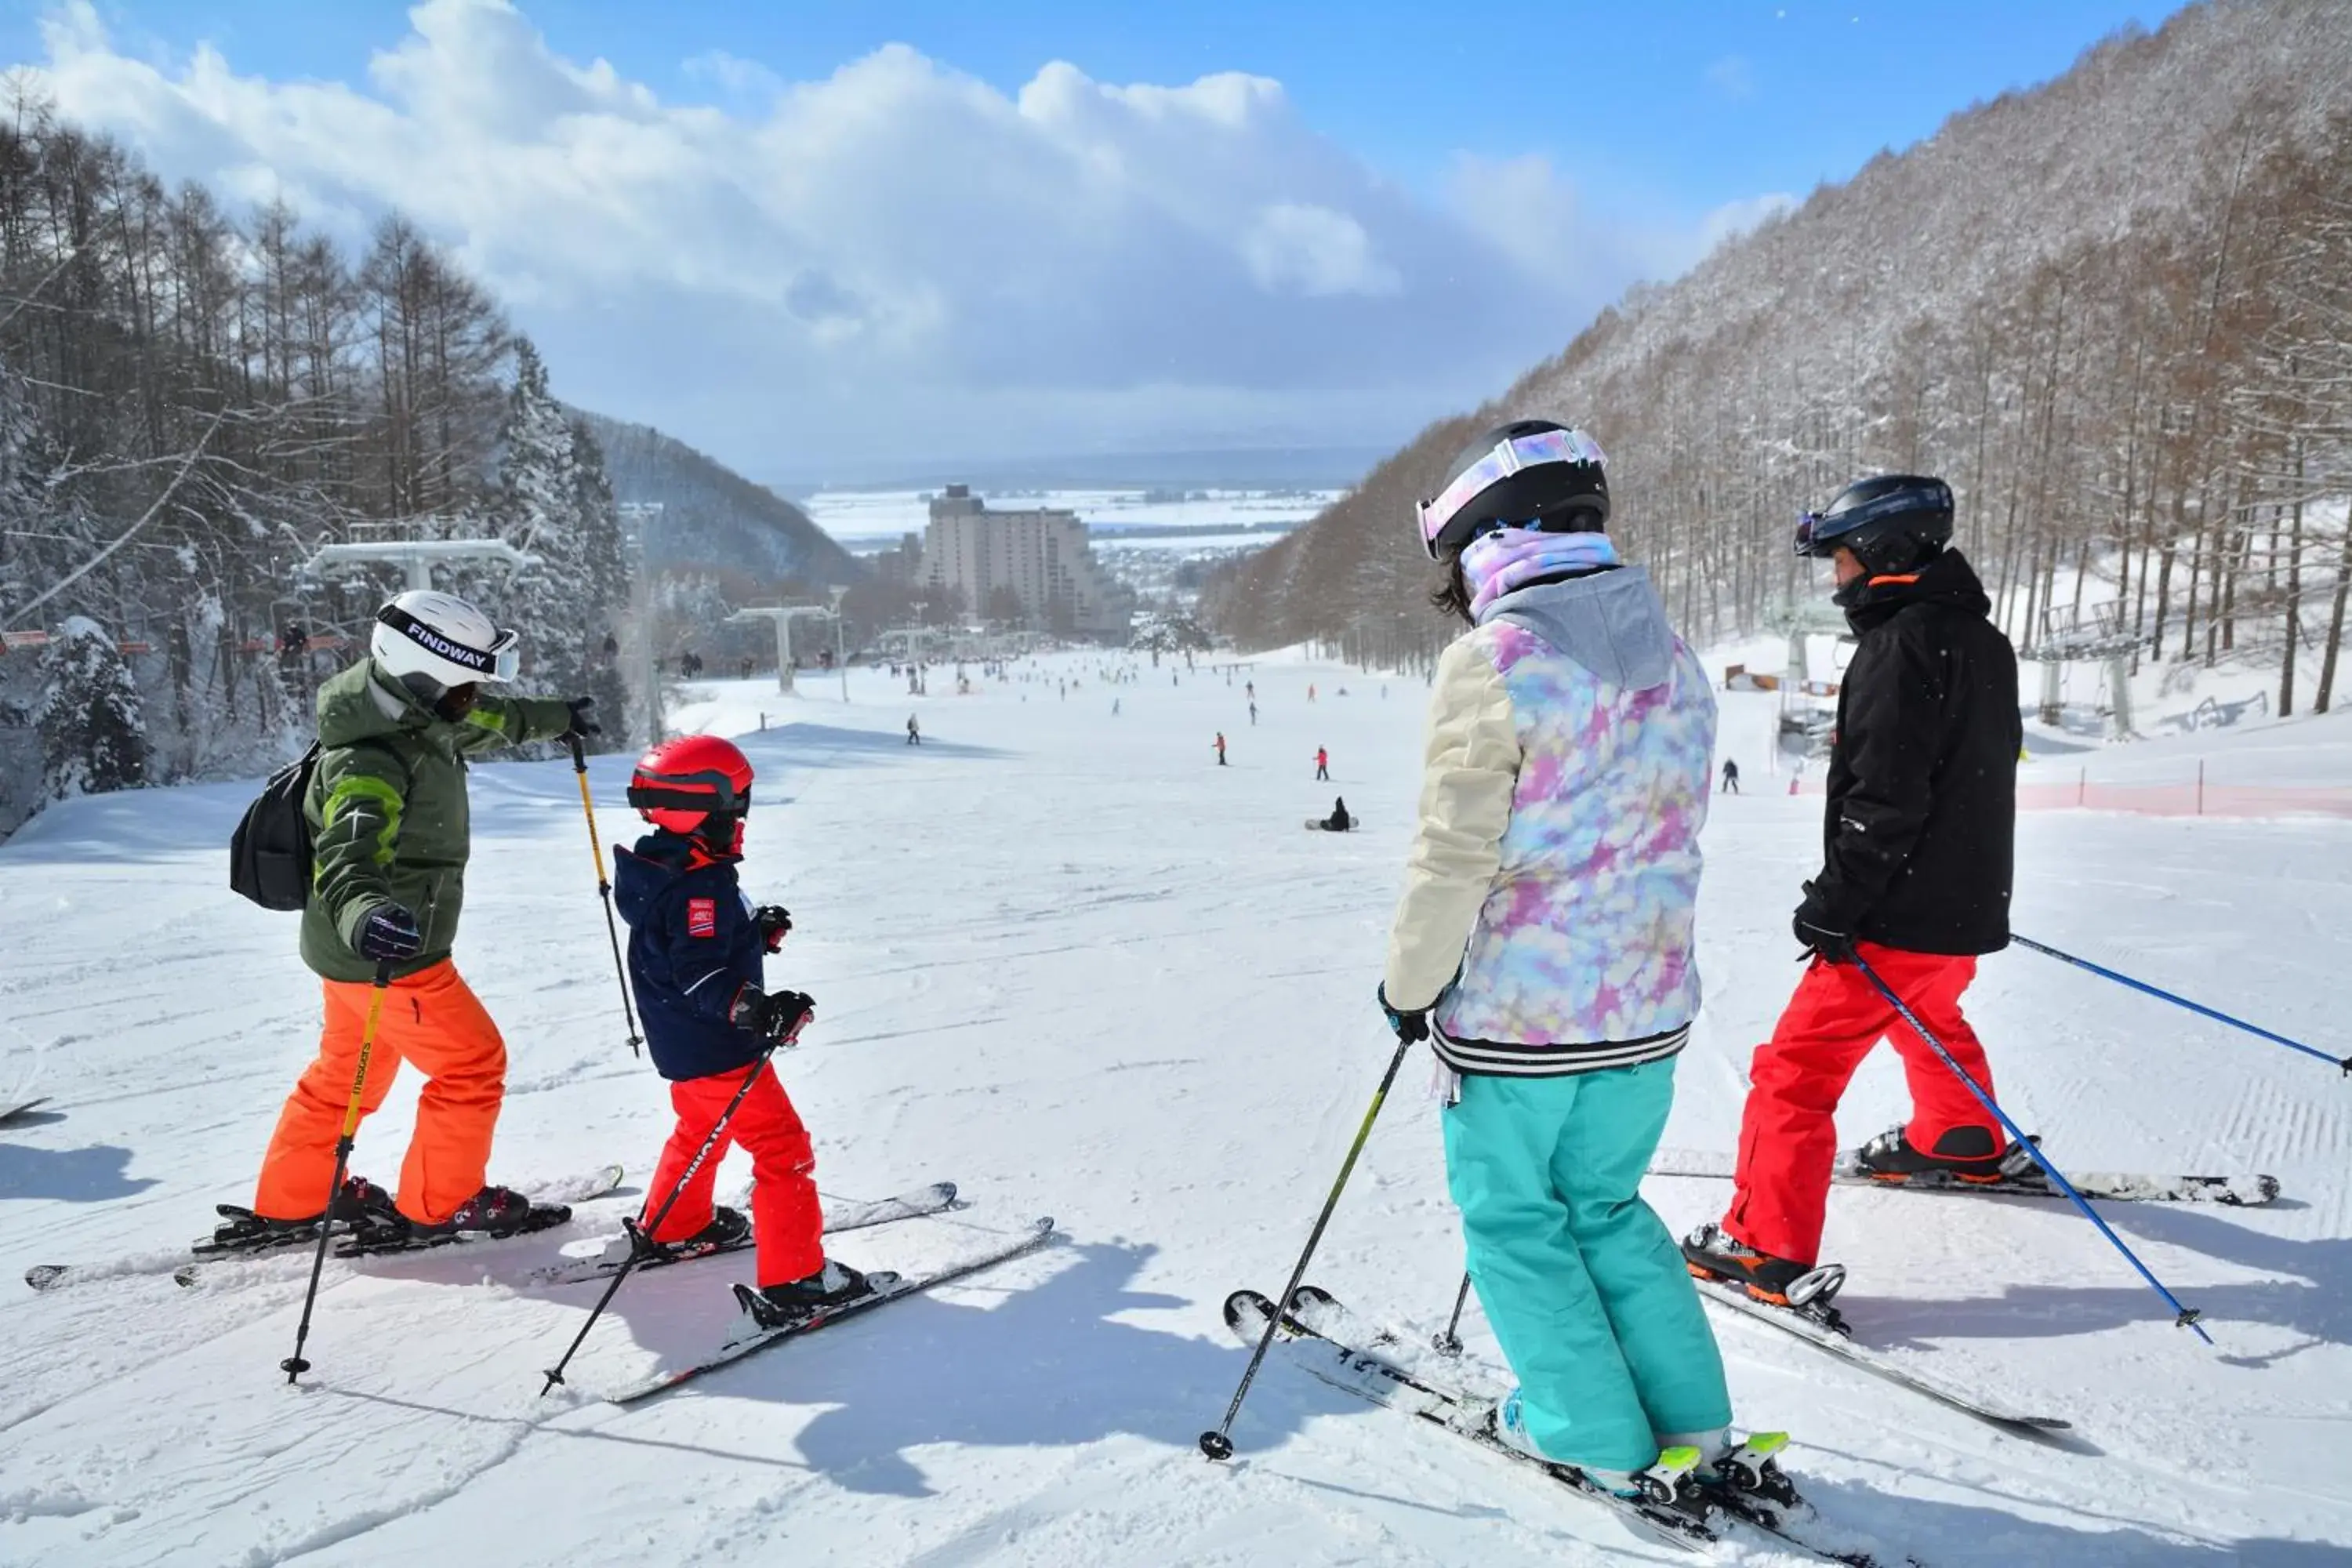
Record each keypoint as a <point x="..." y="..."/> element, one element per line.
<point x="2183" y="1317"/>
<point x="2197" y="1007"/>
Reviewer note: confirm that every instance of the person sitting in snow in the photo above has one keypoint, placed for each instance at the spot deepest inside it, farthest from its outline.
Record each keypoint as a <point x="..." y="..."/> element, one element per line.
<point x="696" y="952"/>
<point x="1338" y="821"/>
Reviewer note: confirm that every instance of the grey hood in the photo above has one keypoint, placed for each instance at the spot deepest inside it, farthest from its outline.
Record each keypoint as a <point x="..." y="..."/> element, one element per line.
<point x="1611" y="623"/>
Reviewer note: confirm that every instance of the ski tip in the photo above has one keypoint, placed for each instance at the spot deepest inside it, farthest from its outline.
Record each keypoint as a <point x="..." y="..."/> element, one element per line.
<point x="41" y="1276"/>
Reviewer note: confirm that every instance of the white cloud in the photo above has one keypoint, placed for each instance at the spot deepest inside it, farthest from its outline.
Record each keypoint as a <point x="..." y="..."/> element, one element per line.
<point x="1733" y="76"/>
<point x="1314" y="251"/>
<point x="900" y="257"/>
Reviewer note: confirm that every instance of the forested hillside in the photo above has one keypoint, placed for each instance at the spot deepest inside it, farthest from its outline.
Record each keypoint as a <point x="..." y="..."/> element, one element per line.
<point x="2116" y="311"/>
<point x="192" y="400"/>
<point x="713" y="519"/>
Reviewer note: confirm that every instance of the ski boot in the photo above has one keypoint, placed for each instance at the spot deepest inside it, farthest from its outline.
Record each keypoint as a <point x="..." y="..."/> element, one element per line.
<point x="728" y="1228"/>
<point x="1671" y="1481"/>
<point x="1971" y="1154"/>
<point x="795" y="1300"/>
<point x="1712" y="1253"/>
<point x="1748" y="1469"/>
<point x="493" y="1211"/>
<point x="360" y="1202"/>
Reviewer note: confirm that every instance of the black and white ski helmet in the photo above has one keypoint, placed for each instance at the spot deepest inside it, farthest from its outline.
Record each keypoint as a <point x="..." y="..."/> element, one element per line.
<point x="1892" y="523"/>
<point x="1529" y="473"/>
<point x="441" y="639"/>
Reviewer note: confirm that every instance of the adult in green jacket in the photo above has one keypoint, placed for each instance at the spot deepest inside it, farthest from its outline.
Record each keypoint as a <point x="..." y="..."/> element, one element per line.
<point x="388" y="819"/>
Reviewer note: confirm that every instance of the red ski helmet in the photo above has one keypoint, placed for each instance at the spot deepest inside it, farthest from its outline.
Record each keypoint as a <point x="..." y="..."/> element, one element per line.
<point x="679" y="783"/>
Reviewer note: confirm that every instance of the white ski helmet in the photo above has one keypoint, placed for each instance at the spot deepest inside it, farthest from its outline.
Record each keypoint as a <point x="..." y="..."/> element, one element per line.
<point x="443" y="638"/>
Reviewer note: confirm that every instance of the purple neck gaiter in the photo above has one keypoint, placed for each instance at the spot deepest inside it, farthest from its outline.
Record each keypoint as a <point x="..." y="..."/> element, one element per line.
<point x="1511" y="558"/>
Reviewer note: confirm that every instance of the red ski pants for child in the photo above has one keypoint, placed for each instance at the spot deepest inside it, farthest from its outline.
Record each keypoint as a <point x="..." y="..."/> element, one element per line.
<point x="1788" y="1139"/>
<point x="430" y="1018"/>
<point x="786" y="1217"/>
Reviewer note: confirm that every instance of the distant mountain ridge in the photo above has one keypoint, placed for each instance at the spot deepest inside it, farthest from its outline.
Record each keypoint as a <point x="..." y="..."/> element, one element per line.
<point x="714" y="521"/>
<point x="2059" y="301"/>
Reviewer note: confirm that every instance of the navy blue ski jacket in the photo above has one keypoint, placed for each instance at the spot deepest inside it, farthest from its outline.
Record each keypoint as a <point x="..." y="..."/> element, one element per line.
<point x="694" y="945"/>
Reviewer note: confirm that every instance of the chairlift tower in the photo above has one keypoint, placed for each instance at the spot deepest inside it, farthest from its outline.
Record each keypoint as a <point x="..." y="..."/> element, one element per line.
<point x="2092" y="633"/>
<point x="783" y="616"/>
<point x="383" y="544"/>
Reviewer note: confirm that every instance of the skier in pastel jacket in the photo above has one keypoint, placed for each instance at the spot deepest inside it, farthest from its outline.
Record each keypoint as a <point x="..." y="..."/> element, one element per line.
<point x="1543" y="944"/>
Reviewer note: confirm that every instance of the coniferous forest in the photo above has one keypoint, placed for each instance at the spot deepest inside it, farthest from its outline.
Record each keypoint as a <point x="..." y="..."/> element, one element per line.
<point x="193" y="399"/>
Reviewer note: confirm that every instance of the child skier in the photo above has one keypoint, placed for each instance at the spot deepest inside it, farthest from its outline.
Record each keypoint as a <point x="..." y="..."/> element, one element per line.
<point x="1544" y="944"/>
<point x="695" y="961"/>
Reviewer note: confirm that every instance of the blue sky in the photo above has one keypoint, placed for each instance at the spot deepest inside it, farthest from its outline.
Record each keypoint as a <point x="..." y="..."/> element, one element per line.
<point x="1431" y="199"/>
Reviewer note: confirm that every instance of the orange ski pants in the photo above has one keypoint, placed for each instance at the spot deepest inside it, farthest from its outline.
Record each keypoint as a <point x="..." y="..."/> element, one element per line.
<point x="787" y="1218"/>
<point x="1787" y="1137"/>
<point x="433" y="1019"/>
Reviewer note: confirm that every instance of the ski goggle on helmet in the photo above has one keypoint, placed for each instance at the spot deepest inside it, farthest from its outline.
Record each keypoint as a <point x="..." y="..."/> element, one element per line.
<point x="681" y="782"/>
<point x="1533" y="470"/>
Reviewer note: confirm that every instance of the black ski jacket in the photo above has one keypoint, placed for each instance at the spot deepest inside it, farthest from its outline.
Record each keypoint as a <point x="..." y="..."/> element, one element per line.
<point x="1920" y="829"/>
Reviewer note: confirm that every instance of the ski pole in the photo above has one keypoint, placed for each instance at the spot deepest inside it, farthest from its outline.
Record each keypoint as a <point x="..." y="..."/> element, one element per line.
<point x="638" y="1242"/>
<point x="604" y="890"/>
<point x="294" y="1366"/>
<point x="1218" y="1443"/>
<point x="2198" y="1007"/>
<point x="1450" y="1341"/>
<point x="2183" y="1317"/>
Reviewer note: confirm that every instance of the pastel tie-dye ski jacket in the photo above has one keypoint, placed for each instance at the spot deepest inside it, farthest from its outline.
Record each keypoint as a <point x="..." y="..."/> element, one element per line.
<point x="1571" y="739"/>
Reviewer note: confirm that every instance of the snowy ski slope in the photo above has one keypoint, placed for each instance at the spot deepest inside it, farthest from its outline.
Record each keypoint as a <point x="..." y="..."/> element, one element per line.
<point x="1066" y="961"/>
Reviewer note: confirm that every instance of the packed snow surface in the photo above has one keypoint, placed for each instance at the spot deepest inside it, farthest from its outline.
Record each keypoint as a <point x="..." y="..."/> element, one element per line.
<point x="1063" y="958"/>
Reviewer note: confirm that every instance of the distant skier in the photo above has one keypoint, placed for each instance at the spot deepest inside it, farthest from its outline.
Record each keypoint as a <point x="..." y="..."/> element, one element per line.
<point x="1249" y="689"/>
<point x="387" y="814"/>
<point x="1220" y="746"/>
<point x="914" y="732"/>
<point x="1338" y="821"/>
<point x="1322" y="765"/>
<point x="1310" y="692"/>
<point x="1253" y="715"/>
<point x="1919" y="824"/>
<point x="1558" y="984"/>
<point x="695" y="963"/>
<point x="1731" y="776"/>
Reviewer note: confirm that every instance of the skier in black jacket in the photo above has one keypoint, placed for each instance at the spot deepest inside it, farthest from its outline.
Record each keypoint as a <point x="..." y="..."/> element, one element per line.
<point x="1915" y="877"/>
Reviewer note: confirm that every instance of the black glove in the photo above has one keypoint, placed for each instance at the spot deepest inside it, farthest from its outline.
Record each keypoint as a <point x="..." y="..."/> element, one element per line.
<point x="581" y="725"/>
<point x="1410" y="1027"/>
<point x="780" y="1015"/>
<point x="390" y="931"/>
<point x="775" y="921"/>
<point x="1824" y="928"/>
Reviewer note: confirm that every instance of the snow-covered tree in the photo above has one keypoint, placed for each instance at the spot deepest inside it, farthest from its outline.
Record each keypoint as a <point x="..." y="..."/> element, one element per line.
<point x="93" y="732"/>
<point x="553" y="501"/>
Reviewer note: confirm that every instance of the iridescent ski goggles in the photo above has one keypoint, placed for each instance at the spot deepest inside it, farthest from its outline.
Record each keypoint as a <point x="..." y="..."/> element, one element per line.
<point x="1508" y="457"/>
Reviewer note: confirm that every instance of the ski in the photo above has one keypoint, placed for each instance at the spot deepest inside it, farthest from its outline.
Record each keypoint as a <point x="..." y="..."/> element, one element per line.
<point x="839" y="1215"/>
<point x="749" y="1341"/>
<point x="1311" y="1340"/>
<point x="208" y="1255"/>
<point x="2020" y="1177"/>
<point x="1438" y="1375"/>
<point x="1822" y="1335"/>
<point x="22" y="1106"/>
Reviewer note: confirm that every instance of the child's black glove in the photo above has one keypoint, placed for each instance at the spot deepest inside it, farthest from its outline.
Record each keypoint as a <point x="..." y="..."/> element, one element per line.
<point x="778" y="1017"/>
<point x="774" y="922"/>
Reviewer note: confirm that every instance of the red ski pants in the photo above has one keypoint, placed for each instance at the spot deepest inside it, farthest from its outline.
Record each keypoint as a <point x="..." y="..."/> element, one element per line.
<point x="786" y="1216"/>
<point x="1788" y="1139"/>
<point x="430" y="1018"/>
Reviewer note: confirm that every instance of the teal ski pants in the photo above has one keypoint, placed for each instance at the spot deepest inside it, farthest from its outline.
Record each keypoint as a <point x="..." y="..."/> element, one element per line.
<point x="1584" y="1287"/>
